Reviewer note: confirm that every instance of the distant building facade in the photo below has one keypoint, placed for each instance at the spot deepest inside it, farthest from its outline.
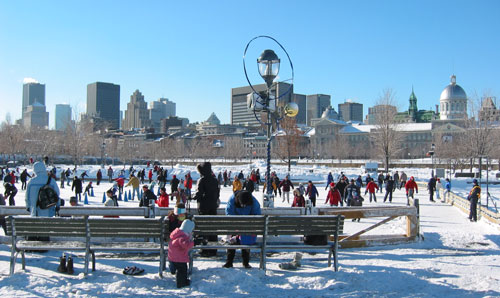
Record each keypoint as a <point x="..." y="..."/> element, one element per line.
<point x="34" y="112"/>
<point x="351" y="111"/>
<point x="103" y="104"/>
<point x="63" y="116"/>
<point x="161" y="109"/>
<point x="301" y="101"/>
<point x="453" y="102"/>
<point x="315" y="106"/>
<point x="137" y="114"/>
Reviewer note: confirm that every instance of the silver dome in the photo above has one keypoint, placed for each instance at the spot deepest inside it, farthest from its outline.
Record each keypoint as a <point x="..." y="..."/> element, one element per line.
<point x="330" y="113"/>
<point x="453" y="91"/>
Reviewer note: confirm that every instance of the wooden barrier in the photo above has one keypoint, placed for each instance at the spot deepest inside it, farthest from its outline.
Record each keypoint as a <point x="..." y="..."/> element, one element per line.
<point x="464" y="205"/>
<point x="388" y="214"/>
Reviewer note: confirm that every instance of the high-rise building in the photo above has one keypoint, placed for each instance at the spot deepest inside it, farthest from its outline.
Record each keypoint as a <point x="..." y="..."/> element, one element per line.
<point x="301" y="101"/>
<point x="34" y="113"/>
<point x="33" y="92"/>
<point x="351" y="111"/>
<point x="241" y="115"/>
<point x="35" y="116"/>
<point x="103" y="104"/>
<point x="160" y="109"/>
<point x="315" y="106"/>
<point x="137" y="114"/>
<point x="63" y="116"/>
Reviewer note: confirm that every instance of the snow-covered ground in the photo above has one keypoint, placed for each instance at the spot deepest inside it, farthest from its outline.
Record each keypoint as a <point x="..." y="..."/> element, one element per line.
<point x="456" y="258"/>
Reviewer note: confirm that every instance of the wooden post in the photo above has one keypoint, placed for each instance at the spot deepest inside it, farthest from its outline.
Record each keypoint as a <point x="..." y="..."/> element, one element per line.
<point x="413" y="221"/>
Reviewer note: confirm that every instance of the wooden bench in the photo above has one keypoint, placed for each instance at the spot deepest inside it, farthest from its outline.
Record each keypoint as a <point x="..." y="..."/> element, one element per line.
<point x="135" y="234"/>
<point x="74" y="231"/>
<point x="208" y="225"/>
<point x="88" y="235"/>
<point x="267" y="226"/>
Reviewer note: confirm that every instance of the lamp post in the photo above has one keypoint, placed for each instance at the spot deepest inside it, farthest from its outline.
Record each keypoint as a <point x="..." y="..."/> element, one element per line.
<point x="103" y="147"/>
<point x="268" y="64"/>
<point x="431" y="153"/>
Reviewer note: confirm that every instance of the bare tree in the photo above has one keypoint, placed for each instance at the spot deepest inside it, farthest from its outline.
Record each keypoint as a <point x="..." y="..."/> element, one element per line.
<point x="387" y="139"/>
<point x="287" y="145"/>
<point x="12" y="138"/>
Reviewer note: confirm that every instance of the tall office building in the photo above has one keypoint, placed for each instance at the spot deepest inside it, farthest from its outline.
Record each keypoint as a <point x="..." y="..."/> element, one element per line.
<point x="63" y="116"/>
<point x="33" y="92"/>
<point x="137" y="114"/>
<point x="301" y="101"/>
<point x="103" y="104"/>
<point x="351" y="111"/>
<point x="241" y="115"/>
<point x="316" y="105"/>
<point x="34" y="113"/>
<point x="160" y="109"/>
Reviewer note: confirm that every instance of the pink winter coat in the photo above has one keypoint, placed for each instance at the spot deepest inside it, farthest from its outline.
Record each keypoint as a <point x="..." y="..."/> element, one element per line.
<point x="179" y="246"/>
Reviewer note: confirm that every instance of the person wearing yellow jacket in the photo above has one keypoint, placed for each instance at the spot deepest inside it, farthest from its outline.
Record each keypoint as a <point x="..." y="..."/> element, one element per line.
<point x="135" y="186"/>
<point x="237" y="184"/>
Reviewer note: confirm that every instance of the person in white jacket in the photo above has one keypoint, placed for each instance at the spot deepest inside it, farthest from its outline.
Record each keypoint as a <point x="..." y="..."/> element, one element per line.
<point x="439" y="186"/>
<point x="34" y="186"/>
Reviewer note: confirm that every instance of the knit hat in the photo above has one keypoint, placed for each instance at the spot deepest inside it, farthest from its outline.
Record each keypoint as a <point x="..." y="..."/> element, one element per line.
<point x="180" y="208"/>
<point x="474" y="181"/>
<point x="187" y="226"/>
<point x="332" y="184"/>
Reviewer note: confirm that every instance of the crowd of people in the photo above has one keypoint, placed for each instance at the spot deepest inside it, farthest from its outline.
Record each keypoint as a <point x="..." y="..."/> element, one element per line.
<point x="341" y="191"/>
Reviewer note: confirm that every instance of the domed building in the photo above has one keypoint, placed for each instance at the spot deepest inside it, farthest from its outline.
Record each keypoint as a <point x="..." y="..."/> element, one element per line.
<point x="453" y="102"/>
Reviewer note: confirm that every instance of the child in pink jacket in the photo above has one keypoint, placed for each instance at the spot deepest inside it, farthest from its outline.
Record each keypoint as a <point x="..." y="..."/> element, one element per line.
<point x="181" y="241"/>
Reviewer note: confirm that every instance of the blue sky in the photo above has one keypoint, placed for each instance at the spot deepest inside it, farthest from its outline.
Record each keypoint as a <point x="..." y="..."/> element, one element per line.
<point x="191" y="51"/>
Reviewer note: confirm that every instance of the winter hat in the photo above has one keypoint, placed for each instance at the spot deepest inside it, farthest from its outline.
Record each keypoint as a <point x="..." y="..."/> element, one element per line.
<point x="174" y="176"/>
<point x="332" y="184"/>
<point x="474" y="181"/>
<point x="187" y="226"/>
<point x="180" y="208"/>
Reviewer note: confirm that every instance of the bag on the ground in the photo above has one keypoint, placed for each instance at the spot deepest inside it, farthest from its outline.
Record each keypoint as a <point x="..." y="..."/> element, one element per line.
<point x="47" y="196"/>
<point x="315" y="239"/>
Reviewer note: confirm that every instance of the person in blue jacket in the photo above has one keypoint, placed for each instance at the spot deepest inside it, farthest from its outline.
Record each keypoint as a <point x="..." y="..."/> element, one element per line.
<point x="447" y="189"/>
<point x="329" y="180"/>
<point x="241" y="203"/>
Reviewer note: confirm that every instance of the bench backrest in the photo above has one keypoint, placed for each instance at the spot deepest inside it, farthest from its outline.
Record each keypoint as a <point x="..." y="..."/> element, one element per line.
<point x="229" y="225"/>
<point x="305" y="225"/>
<point x="47" y="226"/>
<point x="127" y="227"/>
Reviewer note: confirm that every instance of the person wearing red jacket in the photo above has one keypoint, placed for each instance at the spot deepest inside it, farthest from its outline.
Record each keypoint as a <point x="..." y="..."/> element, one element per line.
<point x="371" y="187"/>
<point x="411" y="187"/>
<point x="298" y="200"/>
<point x="120" y="181"/>
<point x="163" y="199"/>
<point x="150" y="175"/>
<point x="333" y="197"/>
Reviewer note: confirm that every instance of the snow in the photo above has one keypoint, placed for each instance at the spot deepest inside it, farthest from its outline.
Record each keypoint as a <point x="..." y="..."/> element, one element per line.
<point x="456" y="258"/>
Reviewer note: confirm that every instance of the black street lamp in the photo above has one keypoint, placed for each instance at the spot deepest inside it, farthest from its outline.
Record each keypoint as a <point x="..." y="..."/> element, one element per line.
<point x="268" y="65"/>
<point x="431" y="153"/>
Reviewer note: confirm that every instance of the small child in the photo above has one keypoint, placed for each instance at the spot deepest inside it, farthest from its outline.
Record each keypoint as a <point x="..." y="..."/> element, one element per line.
<point x="181" y="241"/>
<point x="176" y="217"/>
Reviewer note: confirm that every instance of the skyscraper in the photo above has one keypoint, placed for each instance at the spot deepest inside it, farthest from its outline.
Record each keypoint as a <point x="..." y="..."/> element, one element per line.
<point x="137" y="114"/>
<point x="160" y="109"/>
<point x="34" y="113"/>
<point x="63" y="116"/>
<point x="301" y="101"/>
<point x="351" y="111"/>
<point x="316" y="104"/>
<point x="103" y="104"/>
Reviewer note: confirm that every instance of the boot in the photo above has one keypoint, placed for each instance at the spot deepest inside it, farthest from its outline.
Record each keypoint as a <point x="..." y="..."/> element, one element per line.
<point x="62" y="265"/>
<point x="245" y="254"/>
<point x="69" y="268"/>
<point x="230" y="258"/>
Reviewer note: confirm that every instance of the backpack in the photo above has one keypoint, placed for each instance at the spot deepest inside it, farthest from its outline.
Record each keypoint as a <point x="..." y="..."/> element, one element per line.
<point x="47" y="196"/>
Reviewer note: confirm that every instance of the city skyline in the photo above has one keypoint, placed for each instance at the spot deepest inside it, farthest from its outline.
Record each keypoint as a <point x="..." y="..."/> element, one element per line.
<point x="191" y="52"/>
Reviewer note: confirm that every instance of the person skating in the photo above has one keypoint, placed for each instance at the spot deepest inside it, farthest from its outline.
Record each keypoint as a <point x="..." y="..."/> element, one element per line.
<point x="431" y="186"/>
<point x="333" y="197"/>
<point x="77" y="187"/>
<point x="312" y="192"/>
<point x="411" y="187"/>
<point x="298" y="199"/>
<point x="389" y="189"/>
<point x="371" y="188"/>
<point x="285" y="185"/>
<point x="24" y="178"/>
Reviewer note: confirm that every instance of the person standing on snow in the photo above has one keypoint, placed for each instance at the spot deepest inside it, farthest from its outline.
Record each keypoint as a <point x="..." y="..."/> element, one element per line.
<point x="285" y="185"/>
<point x="473" y="197"/>
<point x="371" y="187"/>
<point x="389" y="189"/>
<point x="411" y="187"/>
<point x="312" y="192"/>
<point x="329" y="180"/>
<point x="431" y="186"/>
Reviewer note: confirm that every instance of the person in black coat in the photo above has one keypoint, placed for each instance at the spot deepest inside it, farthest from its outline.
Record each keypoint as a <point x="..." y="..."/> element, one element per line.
<point x="174" y="184"/>
<point x="10" y="192"/>
<point x="340" y="186"/>
<point x="389" y="188"/>
<point x="207" y="196"/>
<point x="24" y="178"/>
<point x="473" y="197"/>
<point x="431" y="186"/>
<point x="77" y="187"/>
<point x="147" y="196"/>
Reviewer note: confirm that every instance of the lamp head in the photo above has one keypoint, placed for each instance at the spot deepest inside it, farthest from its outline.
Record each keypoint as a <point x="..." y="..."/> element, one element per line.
<point x="269" y="66"/>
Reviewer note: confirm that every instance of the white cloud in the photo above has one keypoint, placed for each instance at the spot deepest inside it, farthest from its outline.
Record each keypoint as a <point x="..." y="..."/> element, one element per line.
<point x="29" y="80"/>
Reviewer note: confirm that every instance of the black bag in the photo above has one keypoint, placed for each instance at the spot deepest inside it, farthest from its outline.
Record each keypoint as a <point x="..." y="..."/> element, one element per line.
<point x="47" y="196"/>
<point x="315" y="239"/>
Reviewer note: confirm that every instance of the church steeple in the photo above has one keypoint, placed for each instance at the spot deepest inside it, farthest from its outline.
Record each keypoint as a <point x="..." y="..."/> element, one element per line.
<point x="413" y="110"/>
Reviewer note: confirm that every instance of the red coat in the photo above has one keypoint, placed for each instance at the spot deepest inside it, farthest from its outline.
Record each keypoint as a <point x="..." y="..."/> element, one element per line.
<point x="162" y="201"/>
<point x="188" y="183"/>
<point x="333" y="197"/>
<point x="150" y="174"/>
<point x="371" y="186"/>
<point x="411" y="184"/>
<point x="179" y="246"/>
<point x="120" y="181"/>
<point x="298" y="201"/>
